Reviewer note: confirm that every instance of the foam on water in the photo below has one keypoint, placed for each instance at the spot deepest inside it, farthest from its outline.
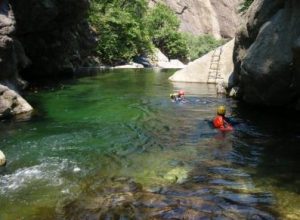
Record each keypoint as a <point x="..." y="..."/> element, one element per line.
<point x="48" y="173"/>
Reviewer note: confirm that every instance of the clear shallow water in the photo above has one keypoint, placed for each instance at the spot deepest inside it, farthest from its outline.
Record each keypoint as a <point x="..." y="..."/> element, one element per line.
<point x="113" y="146"/>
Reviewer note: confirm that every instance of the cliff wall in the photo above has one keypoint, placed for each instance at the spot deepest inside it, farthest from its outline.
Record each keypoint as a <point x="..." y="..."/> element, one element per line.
<point x="42" y="38"/>
<point x="215" y="17"/>
<point x="267" y="54"/>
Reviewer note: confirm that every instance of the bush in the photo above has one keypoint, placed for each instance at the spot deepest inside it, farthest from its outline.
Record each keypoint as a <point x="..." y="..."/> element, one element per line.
<point x="245" y="5"/>
<point x="120" y="29"/>
<point x="200" y="45"/>
<point x="163" y="25"/>
<point x="127" y="29"/>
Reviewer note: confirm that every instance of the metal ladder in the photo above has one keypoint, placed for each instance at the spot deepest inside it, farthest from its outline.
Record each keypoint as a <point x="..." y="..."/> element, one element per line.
<point x="214" y="69"/>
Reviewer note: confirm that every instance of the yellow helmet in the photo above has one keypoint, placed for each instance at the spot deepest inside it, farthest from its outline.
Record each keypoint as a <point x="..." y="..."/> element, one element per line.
<point x="221" y="110"/>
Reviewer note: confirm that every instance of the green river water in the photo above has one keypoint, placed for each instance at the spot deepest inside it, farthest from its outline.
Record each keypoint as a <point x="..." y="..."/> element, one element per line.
<point x="113" y="146"/>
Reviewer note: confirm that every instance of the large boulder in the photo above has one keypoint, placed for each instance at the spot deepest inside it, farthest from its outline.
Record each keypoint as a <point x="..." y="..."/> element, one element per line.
<point x="11" y="103"/>
<point x="267" y="54"/>
<point x="219" y="18"/>
<point x="214" y="67"/>
<point x="158" y="59"/>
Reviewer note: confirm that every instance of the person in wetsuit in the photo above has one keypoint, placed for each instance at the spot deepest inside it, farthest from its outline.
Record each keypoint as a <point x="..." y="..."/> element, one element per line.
<point x="220" y="122"/>
<point x="177" y="97"/>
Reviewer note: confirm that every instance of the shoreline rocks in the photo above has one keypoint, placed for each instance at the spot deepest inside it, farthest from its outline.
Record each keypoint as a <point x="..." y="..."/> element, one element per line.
<point x="160" y="60"/>
<point x="12" y="104"/>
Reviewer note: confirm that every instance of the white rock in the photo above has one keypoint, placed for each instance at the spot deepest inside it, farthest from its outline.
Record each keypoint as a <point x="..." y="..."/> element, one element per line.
<point x="199" y="70"/>
<point x="158" y="56"/>
<point x="173" y="64"/>
<point x="233" y="92"/>
<point x="76" y="169"/>
<point x="221" y="88"/>
<point x="11" y="103"/>
<point x="130" y="66"/>
<point x="2" y="159"/>
<point x="158" y="59"/>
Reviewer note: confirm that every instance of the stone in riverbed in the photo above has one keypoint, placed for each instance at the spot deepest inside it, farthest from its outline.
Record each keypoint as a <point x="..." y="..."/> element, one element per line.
<point x="11" y="103"/>
<point x="2" y="159"/>
<point x="176" y="175"/>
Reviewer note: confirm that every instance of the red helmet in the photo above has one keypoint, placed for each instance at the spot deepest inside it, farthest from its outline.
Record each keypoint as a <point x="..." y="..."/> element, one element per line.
<point x="181" y="92"/>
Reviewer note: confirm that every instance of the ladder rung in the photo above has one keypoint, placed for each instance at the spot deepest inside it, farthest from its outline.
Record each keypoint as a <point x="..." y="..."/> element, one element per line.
<point x="214" y="65"/>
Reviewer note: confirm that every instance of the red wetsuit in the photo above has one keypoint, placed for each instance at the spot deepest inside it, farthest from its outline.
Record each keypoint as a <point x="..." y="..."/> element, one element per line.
<point x="220" y="123"/>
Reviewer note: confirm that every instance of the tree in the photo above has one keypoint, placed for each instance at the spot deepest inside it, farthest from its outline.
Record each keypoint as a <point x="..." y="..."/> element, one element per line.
<point x="245" y="5"/>
<point x="163" y="24"/>
<point x="120" y="29"/>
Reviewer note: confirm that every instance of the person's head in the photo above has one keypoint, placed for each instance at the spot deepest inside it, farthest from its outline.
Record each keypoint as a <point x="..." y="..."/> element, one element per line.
<point x="181" y="93"/>
<point x="221" y="110"/>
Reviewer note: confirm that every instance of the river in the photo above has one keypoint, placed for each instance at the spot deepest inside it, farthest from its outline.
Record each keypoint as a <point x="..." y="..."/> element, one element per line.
<point x="113" y="146"/>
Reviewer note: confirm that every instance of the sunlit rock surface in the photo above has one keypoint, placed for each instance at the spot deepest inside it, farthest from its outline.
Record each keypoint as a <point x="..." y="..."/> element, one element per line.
<point x="216" y="17"/>
<point x="215" y="67"/>
<point x="160" y="60"/>
<point x="11" y="103"/>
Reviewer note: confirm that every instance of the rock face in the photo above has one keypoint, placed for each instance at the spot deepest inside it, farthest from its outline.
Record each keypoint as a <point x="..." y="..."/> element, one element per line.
<point x="54" y="35"/>
<point x="216" y="17"/>
<point x="11" y="103"/>
<point x="12" y="56"/>
<point x="267" y="54"/>
<point x="38" y="39"/>
<point x="215" y="67"/>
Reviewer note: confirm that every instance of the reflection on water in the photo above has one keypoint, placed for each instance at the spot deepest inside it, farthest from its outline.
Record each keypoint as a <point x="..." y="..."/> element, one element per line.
<point x="113" y="146"/>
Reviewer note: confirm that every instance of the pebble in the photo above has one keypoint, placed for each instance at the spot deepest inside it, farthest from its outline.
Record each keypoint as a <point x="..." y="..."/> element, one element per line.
<point x="2" y="159"/>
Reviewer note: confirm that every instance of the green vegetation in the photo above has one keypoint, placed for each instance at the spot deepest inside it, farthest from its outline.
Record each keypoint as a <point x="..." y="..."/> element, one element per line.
<point x="163" y="25"/>
<point x="245" y="5"/>
<point x="200" y="45"/>
<point x="120" y="28"/>
<point x="126" y="29"/>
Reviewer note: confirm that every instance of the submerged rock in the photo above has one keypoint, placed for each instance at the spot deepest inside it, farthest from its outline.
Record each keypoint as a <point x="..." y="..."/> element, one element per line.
<point x="176" y="175"/>
<point x="11" y="103"/>
<point x="209" y="191"/>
